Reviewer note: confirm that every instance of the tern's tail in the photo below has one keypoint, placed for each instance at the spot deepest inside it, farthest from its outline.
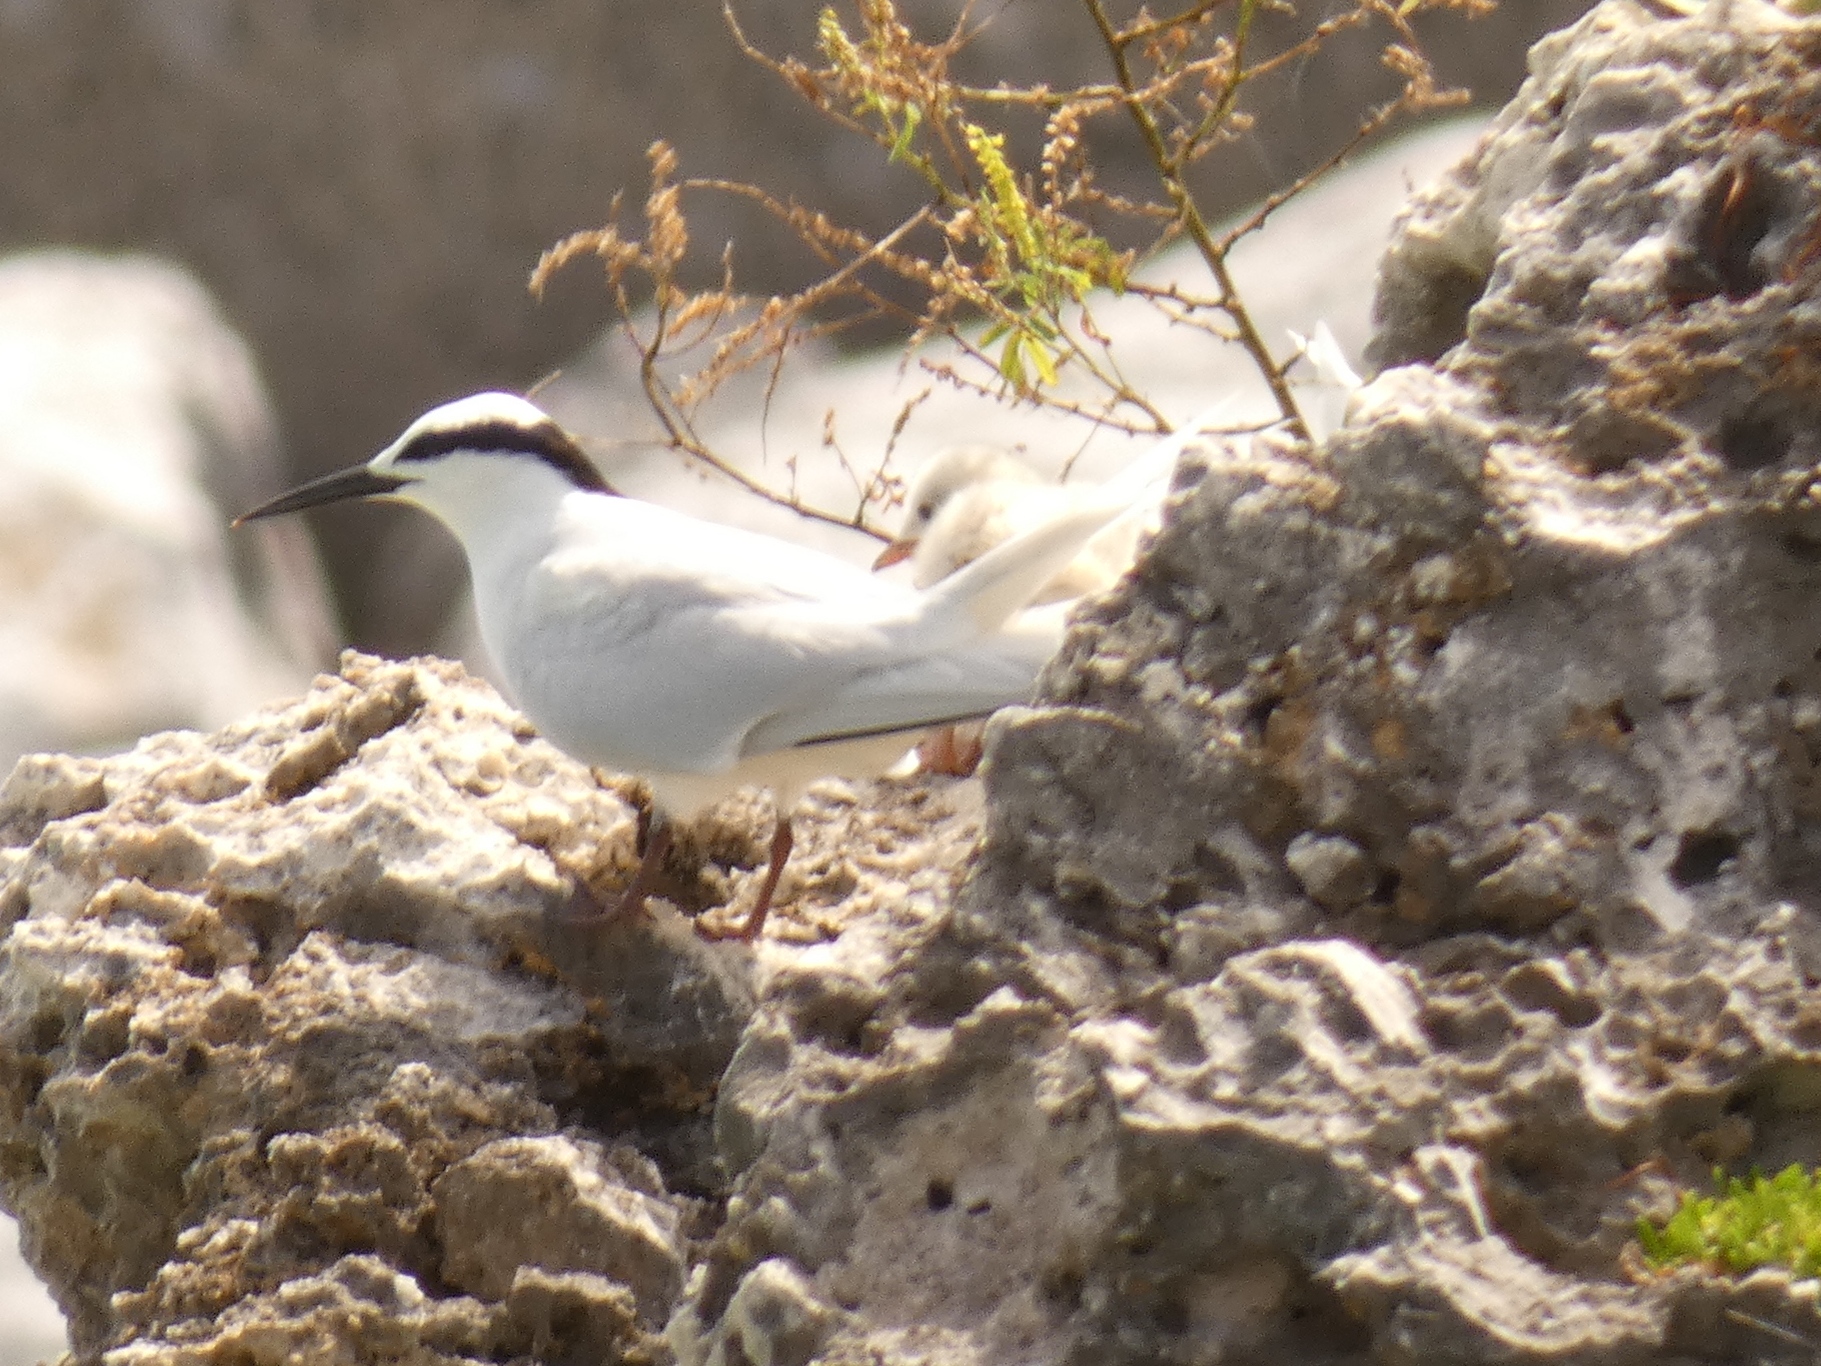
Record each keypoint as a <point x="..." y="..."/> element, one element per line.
<point x="988" y="591"/>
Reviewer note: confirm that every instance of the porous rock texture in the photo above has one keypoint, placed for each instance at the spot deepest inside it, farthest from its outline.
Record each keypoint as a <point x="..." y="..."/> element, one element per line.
<point x="1408" y="882"/>
<point x="1411" y="879"/>
<point x="314" y="1041"/>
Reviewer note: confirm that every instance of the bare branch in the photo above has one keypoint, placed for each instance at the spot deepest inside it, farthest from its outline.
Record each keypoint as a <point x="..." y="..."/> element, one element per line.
<point x="1189" y="215"/>
<point x="1002" y="263"/>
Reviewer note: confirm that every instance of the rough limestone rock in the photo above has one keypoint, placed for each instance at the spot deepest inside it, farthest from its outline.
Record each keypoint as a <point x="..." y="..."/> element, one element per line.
<point x="1407" y="882"/>
<point x="1411" y="879"/>
<point x="304" y="1028"/>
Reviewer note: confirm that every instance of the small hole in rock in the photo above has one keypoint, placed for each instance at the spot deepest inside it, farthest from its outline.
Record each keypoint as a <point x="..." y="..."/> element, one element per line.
<point x="1702" y="855"/>
<point x="1740" y="208"/>
<point x="1216" y="873"/>
<point x="1181" y="894"/>
<point x="939" y="1195"/>
<point x="1670" y="1050"/>
<point x="1063" y="1286"/>
<point x="1173" y="1317"/>
<point x="46" y="1032"/>
<point x="1800" y="544"/>
<point x="1258" y="712"/>
<point x="1751" y="442"/>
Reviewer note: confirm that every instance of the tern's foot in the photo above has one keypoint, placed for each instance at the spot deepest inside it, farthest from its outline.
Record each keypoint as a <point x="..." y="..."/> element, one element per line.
<point x="648" y="880"/>
<point x="952" y="750"/>
<point x="586" y="907"/>
<point x="719" y="932"/>
<point x="781" y="840"/>
<point x="630" y="902"/>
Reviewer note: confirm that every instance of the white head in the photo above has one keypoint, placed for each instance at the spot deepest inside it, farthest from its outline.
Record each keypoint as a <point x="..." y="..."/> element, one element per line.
<point x="462" y="462"/>
<point x="948" y="473"/>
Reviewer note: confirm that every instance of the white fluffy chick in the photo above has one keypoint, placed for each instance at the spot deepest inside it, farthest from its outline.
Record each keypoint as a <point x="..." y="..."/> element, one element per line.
<point x="964" y="501"/>
<point x="967" y="499"/>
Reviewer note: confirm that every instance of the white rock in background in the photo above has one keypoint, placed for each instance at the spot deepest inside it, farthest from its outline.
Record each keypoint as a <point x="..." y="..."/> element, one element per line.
<point x="133" y="425"/>
<point x="31" y="1328"/>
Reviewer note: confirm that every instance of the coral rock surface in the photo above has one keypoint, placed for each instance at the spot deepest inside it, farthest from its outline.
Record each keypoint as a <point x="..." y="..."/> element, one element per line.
<point x="1407" y="882"/>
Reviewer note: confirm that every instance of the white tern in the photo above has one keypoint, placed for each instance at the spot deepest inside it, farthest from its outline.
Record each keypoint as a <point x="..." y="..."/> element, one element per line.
<point x="964" y="500"/>
<point x="702" y="657"/>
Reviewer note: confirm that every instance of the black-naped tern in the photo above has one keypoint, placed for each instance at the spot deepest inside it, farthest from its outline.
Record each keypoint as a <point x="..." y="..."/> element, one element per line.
<point x="702" y="657"/>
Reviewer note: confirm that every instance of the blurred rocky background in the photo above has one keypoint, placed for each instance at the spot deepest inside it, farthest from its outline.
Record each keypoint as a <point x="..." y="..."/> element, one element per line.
<point x="249" y="242"/>
<point x="130" y="416"/>
<point x="365" y="188"/>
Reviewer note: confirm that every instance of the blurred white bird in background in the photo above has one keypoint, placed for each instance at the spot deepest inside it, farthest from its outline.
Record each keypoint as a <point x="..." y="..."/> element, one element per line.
<point x="132" y="421"/>
<point x="965" y="500"/>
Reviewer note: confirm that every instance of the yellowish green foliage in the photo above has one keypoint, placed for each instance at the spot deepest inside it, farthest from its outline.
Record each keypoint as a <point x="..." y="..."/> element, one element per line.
<point x="1016" y="259"/>
<point x="1035" y="262"/>
<point x="1008" y="253"/>
<point x="899" y="117"/>
<point x="1763" y="1221"/>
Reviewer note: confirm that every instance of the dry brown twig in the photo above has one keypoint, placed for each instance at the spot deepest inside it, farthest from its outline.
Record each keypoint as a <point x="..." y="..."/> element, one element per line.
<point x="1000" y="264"/>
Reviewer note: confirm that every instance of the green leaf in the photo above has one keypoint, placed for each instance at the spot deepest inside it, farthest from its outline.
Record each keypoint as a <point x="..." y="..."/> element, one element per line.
<point x="1011" y="360"/>
<point x="1044" y="361"/>
<point x="913" y="116"/>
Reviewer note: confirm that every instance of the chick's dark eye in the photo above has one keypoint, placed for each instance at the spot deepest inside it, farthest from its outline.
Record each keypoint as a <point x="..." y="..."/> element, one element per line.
<point x="926" y="510"/>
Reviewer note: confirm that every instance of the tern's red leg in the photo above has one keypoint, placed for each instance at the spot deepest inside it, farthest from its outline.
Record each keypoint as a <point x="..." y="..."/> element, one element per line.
<point x="655" y="835"/>
<point x="781" y="840"/>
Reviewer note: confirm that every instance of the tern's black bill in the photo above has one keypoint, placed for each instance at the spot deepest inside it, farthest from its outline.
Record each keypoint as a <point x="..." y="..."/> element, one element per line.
<point x="359" y="482"/>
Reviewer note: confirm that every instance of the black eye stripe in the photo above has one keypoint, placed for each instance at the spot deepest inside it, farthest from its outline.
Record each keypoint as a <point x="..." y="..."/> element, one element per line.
<point x="543" y="441"/>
